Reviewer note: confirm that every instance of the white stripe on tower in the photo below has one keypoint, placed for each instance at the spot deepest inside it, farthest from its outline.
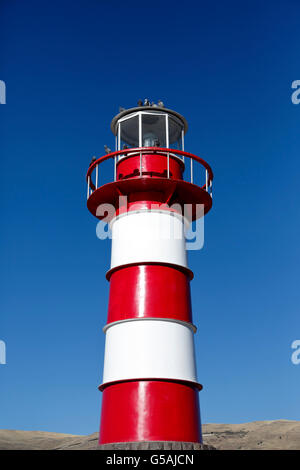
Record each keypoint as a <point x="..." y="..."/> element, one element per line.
<point x="148" y="236"/>
<point x="144" y="348"/>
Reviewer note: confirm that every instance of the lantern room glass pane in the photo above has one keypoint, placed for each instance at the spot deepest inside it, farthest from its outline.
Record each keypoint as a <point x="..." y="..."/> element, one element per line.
<point x="153" y="130"/>
<point x="175" y="133"/>
<point x="129" y="132"/>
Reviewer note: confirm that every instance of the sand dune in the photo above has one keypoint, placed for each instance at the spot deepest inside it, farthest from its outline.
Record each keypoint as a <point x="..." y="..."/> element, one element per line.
<point x="281" y="434"/>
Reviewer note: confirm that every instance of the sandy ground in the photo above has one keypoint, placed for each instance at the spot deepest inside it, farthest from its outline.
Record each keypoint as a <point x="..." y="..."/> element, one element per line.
<point x="281" y="434"/>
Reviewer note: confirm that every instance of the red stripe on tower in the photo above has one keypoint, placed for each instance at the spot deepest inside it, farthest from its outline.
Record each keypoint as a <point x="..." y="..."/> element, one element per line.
<point x="148" y="410"/>
<point x="149" y="291"/>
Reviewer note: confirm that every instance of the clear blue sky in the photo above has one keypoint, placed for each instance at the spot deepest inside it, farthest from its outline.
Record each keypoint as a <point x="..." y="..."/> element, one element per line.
<point x="228" y="68"/>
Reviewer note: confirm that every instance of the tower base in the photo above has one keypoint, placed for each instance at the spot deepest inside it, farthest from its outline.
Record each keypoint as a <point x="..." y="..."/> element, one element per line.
<point x="155" y="445"/>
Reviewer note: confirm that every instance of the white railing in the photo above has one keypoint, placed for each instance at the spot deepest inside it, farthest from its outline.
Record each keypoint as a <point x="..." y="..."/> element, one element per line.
<point x="207" y="177"/>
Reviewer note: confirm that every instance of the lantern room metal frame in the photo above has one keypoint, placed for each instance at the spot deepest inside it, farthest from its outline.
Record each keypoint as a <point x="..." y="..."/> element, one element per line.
<point x="167" y="116"/>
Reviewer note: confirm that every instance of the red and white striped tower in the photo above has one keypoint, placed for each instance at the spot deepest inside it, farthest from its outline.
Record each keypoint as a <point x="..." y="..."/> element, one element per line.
<point x="150" y="387"/>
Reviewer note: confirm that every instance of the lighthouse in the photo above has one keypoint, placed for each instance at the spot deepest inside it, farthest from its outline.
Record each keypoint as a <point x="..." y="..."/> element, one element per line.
<point x="150" y="386"/>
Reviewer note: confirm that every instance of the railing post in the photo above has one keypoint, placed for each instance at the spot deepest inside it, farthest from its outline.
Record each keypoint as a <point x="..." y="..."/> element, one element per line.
<point x="168" y="165"/>
<point x="167" y="130"/>
<point x="88" y="187"/>
<point x="140" y="130"/>
<point x="96" y="176"/>
<point x="192" y="175"/>
<point x="206" y="180"/>
<point x="141" y="164"/>
<point x="115" y="168"/>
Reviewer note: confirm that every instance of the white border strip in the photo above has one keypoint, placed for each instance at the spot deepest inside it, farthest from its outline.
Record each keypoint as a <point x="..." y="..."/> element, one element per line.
<point x="174" y="320"/>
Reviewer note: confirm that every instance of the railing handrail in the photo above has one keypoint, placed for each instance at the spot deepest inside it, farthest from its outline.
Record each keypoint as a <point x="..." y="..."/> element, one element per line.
<point x="143" y="150"/>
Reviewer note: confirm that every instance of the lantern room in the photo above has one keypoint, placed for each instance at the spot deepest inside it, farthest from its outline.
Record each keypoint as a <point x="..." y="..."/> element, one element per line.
<point x="149" y="126"/>
<point x="149" y="157"/>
